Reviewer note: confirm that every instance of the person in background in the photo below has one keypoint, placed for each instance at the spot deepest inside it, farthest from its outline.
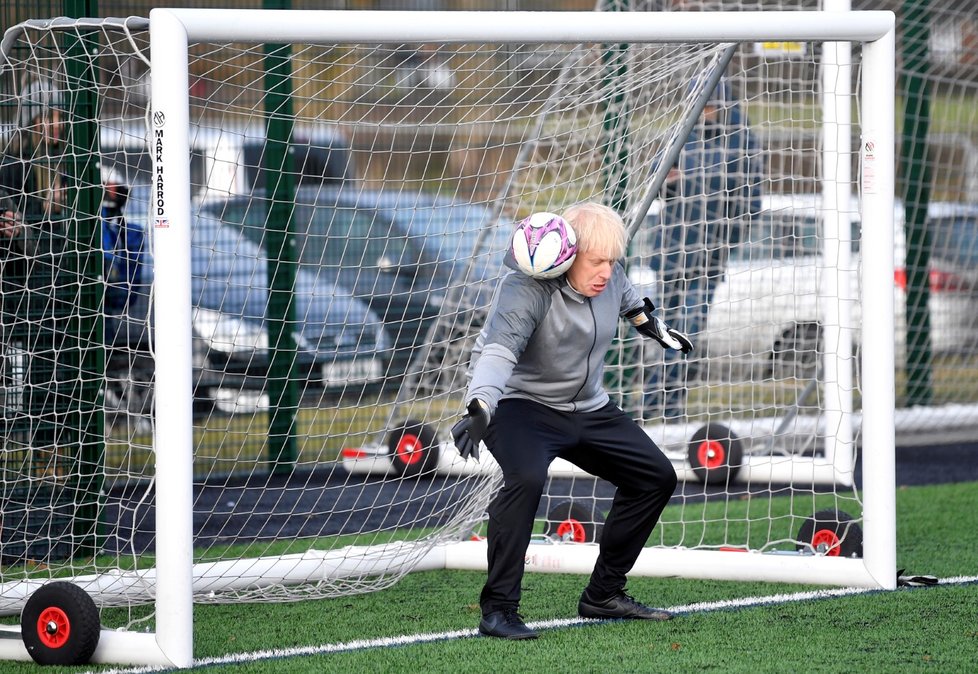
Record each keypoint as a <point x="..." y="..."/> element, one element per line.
<point x="122" y="246"/>
<point x="30" y="193"/>
<point x="536" y="394"/>
<point x="713" y="187"/>
<point x="31" y="186"/>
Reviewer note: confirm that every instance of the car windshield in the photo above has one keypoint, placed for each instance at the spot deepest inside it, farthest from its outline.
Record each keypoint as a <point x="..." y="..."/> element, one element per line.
<point x="449" y="231"/>
<point x="445" y="229"/>
<point x="314" y="163"/>
<point x="955" y="239"/>
<point x="776" y="235"/>
<point x="347" y="237"/>
<point x="333" y="236"/>
<point x="783" y="235"/>
<point x="377" y="230"/>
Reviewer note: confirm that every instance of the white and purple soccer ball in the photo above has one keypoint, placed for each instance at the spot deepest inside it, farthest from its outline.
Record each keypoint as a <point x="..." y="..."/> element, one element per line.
<point x="544" y="245"/>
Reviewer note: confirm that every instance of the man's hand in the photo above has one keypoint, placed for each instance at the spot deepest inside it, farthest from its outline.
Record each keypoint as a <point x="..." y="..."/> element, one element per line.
<point x="10" y="223"/>
<point x="470" y="430"/>
<point x="656" y="329"/>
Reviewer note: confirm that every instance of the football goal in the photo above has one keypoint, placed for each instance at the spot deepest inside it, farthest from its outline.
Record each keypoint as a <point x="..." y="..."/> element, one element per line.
<point x="249" y="252"/>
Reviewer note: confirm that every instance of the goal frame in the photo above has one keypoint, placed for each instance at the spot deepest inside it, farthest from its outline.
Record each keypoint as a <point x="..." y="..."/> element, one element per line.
<point x="171" y="33"/>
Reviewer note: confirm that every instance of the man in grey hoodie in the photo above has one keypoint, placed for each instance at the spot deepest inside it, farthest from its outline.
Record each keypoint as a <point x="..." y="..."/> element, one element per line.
<point x="536" y="394"/>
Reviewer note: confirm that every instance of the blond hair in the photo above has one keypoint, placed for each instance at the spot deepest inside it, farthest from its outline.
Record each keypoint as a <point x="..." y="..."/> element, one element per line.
<point x="599" y="229"/>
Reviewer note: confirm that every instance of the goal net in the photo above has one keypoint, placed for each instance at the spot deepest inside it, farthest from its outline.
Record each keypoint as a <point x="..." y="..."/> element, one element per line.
<point x="250" y="259"/>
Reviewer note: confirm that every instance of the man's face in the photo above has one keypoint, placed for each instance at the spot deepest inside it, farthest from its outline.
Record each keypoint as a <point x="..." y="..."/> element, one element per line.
<point x="590" y="273"/>
<point x="48" y="130"/>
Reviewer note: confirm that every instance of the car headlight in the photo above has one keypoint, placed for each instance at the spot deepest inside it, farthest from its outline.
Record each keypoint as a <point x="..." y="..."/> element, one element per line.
<point x="229" y="334"/>
<point x="339" y="372"/>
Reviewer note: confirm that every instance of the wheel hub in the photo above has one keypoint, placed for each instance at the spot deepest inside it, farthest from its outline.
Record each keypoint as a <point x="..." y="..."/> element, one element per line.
<point x="53" y="627"/>
<point x="711" y="454"/>
<point x="571" y="530"/>
<point x="826" y="542"/>
<point x="407" y="449"/>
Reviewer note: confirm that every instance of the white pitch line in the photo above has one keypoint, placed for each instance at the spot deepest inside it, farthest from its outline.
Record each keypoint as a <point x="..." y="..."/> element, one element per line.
<point x="411" y="639"/>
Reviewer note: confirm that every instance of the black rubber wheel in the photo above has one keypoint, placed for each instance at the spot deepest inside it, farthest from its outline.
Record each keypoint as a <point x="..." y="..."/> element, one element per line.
<point x="715" y="454"/>
<point x="60" y="625"/>
<point x="572" y="522"/>
<point x="832" y="533"/>
<point x="412" y="448"/>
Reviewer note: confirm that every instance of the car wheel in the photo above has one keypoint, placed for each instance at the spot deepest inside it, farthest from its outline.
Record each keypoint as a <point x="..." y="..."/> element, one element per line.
<point x="572" y="522"/>
<point x="832" y="533"/>
<point x="60" y="625"/>
<point x="715" y="454"/>
<point x="412" y="448"/>
<point x="795" y="353"/>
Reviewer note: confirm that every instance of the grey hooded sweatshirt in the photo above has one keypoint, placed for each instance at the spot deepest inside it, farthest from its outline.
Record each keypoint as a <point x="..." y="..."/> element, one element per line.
<point x="546" y="342"/>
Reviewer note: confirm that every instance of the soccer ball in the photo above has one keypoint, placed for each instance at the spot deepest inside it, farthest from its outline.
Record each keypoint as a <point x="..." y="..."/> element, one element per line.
<point x="544" y="245"/>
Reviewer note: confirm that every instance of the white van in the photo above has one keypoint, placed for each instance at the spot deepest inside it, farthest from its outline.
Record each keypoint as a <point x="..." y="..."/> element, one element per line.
<point x="227" y="161"/>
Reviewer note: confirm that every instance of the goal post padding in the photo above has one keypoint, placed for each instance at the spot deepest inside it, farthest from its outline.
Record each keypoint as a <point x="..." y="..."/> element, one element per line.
<point x="185" y="42"/>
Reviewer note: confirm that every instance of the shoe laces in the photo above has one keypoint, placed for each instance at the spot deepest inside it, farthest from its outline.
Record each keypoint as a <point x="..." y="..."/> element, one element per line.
<point x="512" y="616"/>
<point x="629" y="599"/>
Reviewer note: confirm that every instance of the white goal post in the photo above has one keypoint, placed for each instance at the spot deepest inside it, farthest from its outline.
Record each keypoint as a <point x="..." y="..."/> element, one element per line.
<point x="175" y="581"/>
<point x="171" y="32"/>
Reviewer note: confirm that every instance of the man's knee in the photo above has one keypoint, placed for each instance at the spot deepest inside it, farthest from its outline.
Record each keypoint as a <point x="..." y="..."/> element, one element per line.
<point x="670" y="480"/>
<point x="661" y="479"/>
<point x="527" y="479"/>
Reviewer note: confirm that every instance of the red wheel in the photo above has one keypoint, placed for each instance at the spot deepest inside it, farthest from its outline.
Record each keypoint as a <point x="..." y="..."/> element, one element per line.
<point x="53" y="627"/>
<point x="711" y="454"/>
<point x="827" y="540"/>
<point x="572" y="530"/>
<point x="832" y="533"/>
<point x="412" y="448"/>
<point x="574" y="523"/>
<point x="60" y="625"/>
<point x="715" y="454"/>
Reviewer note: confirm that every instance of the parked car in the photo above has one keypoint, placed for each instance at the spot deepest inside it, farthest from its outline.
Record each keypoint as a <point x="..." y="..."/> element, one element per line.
<point x="230" y="334"/>
<point x="402" y="253"/>
<point x="953" y="275"/>
<point x="340" y="342"/>
<point x="767" y="304"/>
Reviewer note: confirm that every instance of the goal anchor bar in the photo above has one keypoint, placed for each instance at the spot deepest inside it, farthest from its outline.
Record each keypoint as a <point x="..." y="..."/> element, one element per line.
<point x="784" y="567"/>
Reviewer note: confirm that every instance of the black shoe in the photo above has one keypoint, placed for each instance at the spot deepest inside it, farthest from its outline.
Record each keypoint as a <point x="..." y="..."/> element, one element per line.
<point x="620" y="606"/>
<point x="505" y="624"/>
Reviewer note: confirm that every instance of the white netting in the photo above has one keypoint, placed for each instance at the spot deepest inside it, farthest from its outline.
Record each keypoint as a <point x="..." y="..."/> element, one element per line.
<point x="328" y="370"/>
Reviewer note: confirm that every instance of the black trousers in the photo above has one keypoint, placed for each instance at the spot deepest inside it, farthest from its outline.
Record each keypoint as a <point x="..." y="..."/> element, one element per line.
<point x="525" y="437"/>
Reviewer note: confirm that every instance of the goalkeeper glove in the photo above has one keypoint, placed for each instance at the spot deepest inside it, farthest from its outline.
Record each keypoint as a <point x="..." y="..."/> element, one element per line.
<point x="653" y="327"/>
<point x="470" y="430"/>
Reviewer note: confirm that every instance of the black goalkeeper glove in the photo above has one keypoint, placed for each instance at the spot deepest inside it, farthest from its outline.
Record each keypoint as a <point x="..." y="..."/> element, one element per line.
<point x="470" y="430"/>
<point x="656" y="329"/>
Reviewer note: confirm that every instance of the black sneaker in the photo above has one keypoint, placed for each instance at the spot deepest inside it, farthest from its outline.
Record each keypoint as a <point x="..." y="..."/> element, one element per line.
<point x="505" y="624"/>
<point x="621" y="606"/>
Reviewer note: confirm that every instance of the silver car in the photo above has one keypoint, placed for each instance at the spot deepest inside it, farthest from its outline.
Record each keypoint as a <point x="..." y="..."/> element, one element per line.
<point x="767" y="305"/>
